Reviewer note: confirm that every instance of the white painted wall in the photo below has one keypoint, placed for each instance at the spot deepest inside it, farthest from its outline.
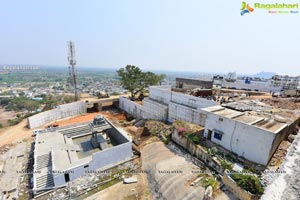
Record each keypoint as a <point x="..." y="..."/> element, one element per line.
<point x="165" y="105"/>
<point x="245" y="140"/>
<point x="151" y="110"/>
<point x="111" y="156"/>
<point x="62" y="111"/>
<point x="180" y="112"/>
<point x="105" y="158"/>
<point x="255" y="85"/>
<point x="58" y="179"/>
<point x="161" y="94"/>
<point x="191" y="101"/>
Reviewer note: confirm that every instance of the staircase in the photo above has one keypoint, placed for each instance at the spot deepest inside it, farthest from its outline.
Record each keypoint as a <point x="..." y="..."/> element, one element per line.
<point x="45" y="181"/>
<point x="74" y="131"/>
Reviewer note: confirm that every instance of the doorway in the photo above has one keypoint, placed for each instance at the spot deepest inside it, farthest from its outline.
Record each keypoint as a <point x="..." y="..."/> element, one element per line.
<point x="67" y="177"/>
<point x="209" y="132"/>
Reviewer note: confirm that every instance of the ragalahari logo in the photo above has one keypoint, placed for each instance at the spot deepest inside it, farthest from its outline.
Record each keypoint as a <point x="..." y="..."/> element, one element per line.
<point x="246" y="8"/>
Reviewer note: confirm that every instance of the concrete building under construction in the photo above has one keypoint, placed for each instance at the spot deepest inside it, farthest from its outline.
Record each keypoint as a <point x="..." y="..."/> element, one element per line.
<point x="252" y="135"/>
<point x="67" y="153"/>
<point x="187" y="83"/>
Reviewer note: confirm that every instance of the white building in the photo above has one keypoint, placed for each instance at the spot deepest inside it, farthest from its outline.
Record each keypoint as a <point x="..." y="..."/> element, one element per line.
<point x="166" y="105"/>
<point x="253" y="137"/>
<point x="286" y="82"/>
<point x="67" y="153"/>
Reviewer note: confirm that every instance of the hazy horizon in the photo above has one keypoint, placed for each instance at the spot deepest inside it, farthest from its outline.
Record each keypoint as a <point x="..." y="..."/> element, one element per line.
<point x="190" y="36"/>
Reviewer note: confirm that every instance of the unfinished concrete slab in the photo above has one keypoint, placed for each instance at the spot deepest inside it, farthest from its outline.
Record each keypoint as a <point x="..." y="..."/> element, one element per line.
<point x="65" y="154"/>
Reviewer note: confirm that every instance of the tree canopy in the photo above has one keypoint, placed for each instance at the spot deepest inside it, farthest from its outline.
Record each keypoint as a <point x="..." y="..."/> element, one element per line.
<point x="135" y="80"/>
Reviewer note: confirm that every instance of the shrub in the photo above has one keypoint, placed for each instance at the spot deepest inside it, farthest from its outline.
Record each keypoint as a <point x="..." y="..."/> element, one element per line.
<point x="1" y="126"/>
<point x="210" y="182"/>
<point x="212" y="151"/>
<point x="194" y="137"/>
<point x="226" y="165"/>
<point x="248" y="182"/>
<point x="15" y="121"/>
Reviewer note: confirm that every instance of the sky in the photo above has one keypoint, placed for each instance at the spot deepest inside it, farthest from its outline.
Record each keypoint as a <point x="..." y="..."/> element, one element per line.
<point x="179" y="35"/>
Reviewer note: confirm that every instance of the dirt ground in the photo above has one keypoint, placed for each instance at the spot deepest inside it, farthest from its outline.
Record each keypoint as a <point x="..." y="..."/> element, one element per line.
<point x="121" y="191"/>
<point x="87" y="117"/>
<point x="15" y="133"/>
<point x="20" y="132"/>
<point x="6" y="115"/>
<point x="283" y="103"/>
<point x="268" y="96"/>
<point x="279" y="154"/>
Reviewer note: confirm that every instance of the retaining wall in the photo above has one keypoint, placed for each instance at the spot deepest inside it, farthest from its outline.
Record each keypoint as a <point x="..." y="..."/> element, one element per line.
<point x="180" y="112"/>
<point x="160" y="94"/>
<point x="165" y="105"/>
<point x="196" y="150"/>
<point x="191" y="101"/>
<point x="151" y="110"/>
<point x="62" y="111"/>
<point x="235" y="189"/>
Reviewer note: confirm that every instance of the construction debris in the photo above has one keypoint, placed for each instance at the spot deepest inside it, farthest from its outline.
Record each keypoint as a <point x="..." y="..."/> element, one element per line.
<point x="130" y="180"/>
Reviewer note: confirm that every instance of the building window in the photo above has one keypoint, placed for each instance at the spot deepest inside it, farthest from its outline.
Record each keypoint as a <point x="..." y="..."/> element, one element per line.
<point x="218" y="136"/>
<point x="85" y="166"/>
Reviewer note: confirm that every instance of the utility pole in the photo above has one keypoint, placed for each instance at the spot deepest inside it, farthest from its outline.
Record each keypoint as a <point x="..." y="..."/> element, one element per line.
<point x="72" y="69"/>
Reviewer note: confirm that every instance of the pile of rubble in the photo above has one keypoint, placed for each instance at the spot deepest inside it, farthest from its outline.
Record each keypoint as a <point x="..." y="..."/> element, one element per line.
<point x="5" y="148"/>
<point x="285" y="185"/>
<point x="158" y="128"/>
<point x="286" y="103"/>
<point x="279" y="154"/>
<point x="90" y="181"/>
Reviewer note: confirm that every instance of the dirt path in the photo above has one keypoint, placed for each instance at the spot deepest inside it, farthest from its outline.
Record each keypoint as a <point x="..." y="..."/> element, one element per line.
<point x="88" y="117"/>
<point x="15" y="133"/>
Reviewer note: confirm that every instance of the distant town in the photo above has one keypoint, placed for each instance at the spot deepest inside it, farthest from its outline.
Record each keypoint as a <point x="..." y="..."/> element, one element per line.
<point x="214" y="136"/>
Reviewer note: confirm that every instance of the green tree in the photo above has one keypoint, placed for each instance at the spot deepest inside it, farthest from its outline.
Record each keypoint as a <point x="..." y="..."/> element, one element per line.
<point x="135" y="80"/>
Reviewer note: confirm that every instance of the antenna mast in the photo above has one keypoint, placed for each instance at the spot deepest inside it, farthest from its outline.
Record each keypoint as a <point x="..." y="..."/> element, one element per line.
<point x="72" y="69"/>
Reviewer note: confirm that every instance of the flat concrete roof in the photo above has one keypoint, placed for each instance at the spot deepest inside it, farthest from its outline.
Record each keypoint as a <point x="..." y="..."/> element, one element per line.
<point x="263" y="122"/>
<point x="61" y="150"/>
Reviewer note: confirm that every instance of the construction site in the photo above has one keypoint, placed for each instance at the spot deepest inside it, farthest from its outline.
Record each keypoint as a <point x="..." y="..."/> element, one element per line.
<point x="189" y="137"/>
<point x="186" y="141"/>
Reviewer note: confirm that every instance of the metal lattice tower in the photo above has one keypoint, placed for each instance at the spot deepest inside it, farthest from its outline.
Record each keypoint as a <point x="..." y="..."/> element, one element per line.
<point x="72" y="69"/>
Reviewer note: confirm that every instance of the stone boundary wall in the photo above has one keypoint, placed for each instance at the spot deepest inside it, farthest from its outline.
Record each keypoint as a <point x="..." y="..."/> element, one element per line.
<point x="196" y="150"/>
<point x="151" y="109"/>
<point x="235" y="189"/>
<point x="62" y="111"/>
